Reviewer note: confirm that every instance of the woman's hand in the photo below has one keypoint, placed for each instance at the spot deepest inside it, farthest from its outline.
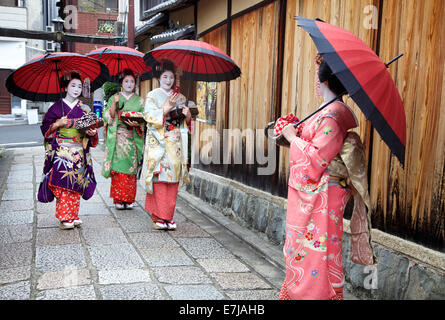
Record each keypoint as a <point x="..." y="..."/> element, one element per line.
<point x="171" y="102"/>
<point x="61" y="123"/>
<point x="289" y="132"/>
<point x="186" y="112"/>
<point x="117" y="98"/>
<point x="91" y="132"/>
<point x="131" y="123"/>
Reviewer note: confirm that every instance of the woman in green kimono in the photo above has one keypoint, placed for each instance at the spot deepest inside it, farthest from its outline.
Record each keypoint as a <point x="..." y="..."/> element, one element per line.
<point x="165" y="154"/>
<point x="124" y="143"/>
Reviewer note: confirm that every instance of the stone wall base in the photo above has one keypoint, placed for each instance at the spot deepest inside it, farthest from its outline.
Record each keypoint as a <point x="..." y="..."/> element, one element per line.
<point x="404" y="270"/>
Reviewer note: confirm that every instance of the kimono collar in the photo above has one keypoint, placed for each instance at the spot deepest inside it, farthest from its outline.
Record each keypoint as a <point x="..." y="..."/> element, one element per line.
<point x="343" y="114"/>
<point x="71" y="104"/>
<point x="127" y="97"/>
<point x="165" y="91"/>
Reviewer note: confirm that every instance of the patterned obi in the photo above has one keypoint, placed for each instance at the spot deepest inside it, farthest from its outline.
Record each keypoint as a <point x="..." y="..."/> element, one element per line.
<point x="69" y="137"/>
<point x="171" y="124"/>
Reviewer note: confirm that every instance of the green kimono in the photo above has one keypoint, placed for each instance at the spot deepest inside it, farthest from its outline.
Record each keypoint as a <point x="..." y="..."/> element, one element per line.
<point x="124" y="146"/>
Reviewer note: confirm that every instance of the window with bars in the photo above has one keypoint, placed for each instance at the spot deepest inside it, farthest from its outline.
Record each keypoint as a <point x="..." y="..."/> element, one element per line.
<point x="98" y="6"/>
<point x="105" y="26"/>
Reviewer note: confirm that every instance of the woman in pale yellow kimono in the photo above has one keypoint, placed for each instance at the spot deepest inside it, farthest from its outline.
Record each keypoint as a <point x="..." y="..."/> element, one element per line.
<point x="165" y="154"/>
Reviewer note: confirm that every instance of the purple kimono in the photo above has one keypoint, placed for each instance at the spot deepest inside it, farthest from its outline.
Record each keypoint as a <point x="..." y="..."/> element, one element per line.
<point x="67" y="151"/>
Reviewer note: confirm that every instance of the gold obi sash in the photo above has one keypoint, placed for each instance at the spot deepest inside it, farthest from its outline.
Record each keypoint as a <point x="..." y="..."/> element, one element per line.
<point x="349" y="166"/>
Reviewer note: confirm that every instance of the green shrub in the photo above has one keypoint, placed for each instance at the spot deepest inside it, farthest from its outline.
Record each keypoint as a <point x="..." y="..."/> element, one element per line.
<point x="110" y="88"/>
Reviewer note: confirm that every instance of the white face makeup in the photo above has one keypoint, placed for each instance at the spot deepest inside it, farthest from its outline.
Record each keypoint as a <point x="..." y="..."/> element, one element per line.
<point x="322" y="88"/>
<point x="167" y="80"/>
<point x="74" y="89"/>
<point x="128" y="84"/>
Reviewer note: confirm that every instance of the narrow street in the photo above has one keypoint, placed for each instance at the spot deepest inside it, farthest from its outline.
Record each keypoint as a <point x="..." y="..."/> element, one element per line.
<point x="117" y="254"/>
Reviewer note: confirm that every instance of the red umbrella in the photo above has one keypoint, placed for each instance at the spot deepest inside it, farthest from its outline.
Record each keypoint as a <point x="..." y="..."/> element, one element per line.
<point x="366" y="79"/>
<point x="119" y="58"/>
<point x="199" y="60"/>
<point x="39" y="78"/>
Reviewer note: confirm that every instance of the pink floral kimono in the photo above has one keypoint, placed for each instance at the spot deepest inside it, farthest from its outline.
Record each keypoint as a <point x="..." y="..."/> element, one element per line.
<point x="326" y="167"/>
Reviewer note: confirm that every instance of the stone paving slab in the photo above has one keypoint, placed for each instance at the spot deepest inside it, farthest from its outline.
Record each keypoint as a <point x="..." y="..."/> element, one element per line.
<point x="16" y="291"/>
<point x="166" y="257"/>
<point x="56" y="237"/>
<point x="236" y="281"/>
<point x="71" y="293"/>
<point x="153" y="240"/>
<point x="194" y="292"/>
<point x="17" y="205"/>
<point x="16" y="233"/>
<point x="15" y="254"/>
<point x="103" y="236"/>
<point x="64" y="278"/>
<point x="16" y="217"/>
<point x="11" y="275"/>
<point x="204" y="248"/>
<point x="123" y="276"/>
<point x="62" y="257"/>
<point x="181" y="275"/>
<point x="223" y="265"/>
<point x="137" y="291"/>
<point x="115" y="256"/>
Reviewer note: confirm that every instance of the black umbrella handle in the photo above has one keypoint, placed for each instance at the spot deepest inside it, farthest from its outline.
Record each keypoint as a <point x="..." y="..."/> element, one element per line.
<point x="391" y="61"/>
<point x="321" y="108"/>
<point x="60" y="89"/>
<point x="188" y="90"/>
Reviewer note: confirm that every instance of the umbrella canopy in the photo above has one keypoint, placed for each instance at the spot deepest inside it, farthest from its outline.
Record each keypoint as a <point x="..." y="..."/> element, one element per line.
<point x="119" y="58"/>
<point x="199" y="60"/>
<point x="366" y="79"/>
<point x="39" y="78"/>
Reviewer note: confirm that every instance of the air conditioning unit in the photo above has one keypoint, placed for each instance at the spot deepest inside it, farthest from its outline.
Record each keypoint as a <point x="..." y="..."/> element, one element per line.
<point x="118" y="28"/>
<point x="50" y="45"/>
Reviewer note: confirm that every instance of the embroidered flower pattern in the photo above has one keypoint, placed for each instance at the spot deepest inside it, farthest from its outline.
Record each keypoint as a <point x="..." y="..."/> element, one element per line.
<point x="314" y="273"/>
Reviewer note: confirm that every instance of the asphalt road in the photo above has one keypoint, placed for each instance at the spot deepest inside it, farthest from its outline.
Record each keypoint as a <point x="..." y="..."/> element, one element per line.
<point x="20" y="136"/>
<point x="15" y="136"/>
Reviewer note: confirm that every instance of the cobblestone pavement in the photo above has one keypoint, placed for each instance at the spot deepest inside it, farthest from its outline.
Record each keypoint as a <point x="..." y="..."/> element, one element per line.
<point x="117" y="254"/>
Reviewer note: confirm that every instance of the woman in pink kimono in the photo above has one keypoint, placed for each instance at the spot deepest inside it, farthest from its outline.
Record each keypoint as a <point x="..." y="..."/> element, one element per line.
<point x="326" y="167"/>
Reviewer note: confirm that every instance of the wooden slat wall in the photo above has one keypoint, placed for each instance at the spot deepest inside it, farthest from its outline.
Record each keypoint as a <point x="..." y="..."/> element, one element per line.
<point x="411" y="201"/>
<point x="254" y="48"/>
<point x="218" y="38"/>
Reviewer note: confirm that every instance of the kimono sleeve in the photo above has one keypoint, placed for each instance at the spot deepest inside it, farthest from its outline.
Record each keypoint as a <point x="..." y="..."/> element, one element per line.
<point x="153" y="112"/>
<point x="309" y="159"/>
<point x="48" y="121"/>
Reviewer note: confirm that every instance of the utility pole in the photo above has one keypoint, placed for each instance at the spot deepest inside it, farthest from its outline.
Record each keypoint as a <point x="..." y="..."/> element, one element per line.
<point x="130" y="29"/>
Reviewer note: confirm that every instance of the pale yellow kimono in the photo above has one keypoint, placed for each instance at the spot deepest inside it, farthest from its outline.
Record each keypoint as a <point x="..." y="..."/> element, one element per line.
<point x="165" y="153"/>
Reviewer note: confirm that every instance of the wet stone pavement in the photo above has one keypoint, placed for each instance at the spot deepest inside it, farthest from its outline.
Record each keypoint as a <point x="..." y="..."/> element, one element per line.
<point x="116" y="254"/>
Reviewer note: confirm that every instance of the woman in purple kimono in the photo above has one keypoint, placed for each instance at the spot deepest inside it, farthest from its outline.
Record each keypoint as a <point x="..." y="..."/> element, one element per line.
<point x="67" y="157"/>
